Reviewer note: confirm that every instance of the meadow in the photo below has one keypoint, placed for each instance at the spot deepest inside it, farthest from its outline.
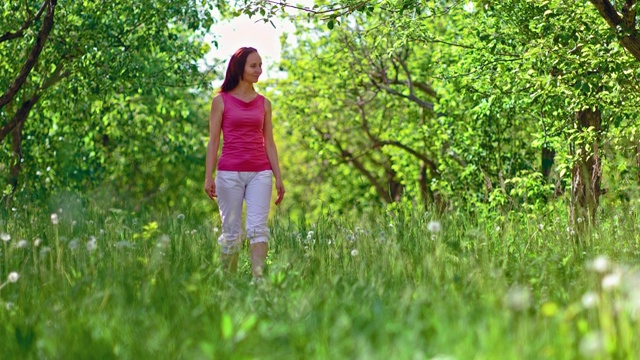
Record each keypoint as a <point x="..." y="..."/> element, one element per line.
<point x="87" y="282"/>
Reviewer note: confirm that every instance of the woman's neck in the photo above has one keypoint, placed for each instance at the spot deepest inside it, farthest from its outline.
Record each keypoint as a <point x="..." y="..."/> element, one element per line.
<point x="244" y="88"/>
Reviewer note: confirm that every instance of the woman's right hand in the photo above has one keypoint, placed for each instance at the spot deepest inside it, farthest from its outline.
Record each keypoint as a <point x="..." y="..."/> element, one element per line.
<point x="210" y="187"/>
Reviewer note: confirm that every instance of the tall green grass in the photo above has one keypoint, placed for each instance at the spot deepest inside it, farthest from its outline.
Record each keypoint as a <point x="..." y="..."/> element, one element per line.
<point x="395" y="284"/>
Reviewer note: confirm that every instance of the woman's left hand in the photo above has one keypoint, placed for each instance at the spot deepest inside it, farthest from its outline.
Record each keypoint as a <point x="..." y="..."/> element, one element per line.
<point x="280" y="190"/>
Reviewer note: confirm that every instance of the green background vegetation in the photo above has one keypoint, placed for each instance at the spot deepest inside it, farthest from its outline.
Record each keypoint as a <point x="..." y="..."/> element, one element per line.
<point x="452" y="168"/>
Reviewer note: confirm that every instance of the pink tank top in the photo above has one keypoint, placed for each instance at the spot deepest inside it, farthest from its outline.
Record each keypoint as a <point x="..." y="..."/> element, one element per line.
<point x="243" y="147"/>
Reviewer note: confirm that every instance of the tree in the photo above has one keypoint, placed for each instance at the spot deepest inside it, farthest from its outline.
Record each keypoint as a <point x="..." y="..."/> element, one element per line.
<point x="84" y="57"/>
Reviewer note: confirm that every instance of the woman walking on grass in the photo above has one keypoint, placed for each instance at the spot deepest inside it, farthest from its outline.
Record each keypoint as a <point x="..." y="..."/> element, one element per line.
<point x="248" y="161"/>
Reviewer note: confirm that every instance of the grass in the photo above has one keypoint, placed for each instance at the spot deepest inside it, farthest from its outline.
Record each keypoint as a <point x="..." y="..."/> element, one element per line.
<point x="106" y="283"/>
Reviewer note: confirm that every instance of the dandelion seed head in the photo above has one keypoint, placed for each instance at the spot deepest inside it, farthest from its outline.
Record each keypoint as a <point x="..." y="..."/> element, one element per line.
<point x="354" y="252"/>
<point x="9" y="306"/>
<point x="434" y="226"/>
<point x="600" y="264"/>
<point x="589" y="300"/>
<point x="55" y="220"/>
<point x="91" y="244"/>
<point x="22" y="244"/>
<point x="611" y="281"/>
<point x="591" y="345"/>
<point x="540" y="226"/>
<point x="73" y="244"/>
<point x="518" y="298"/>
<point x="44" y="251"/>
<point x="5" y="237"/>
<point x="37" y="242"/>
<point x="498" y="228"/>
<point x="180" y="216"/>
<point x="579" y="220"/>
<point x="164" y="241"/>
<point x="13" y="277"/>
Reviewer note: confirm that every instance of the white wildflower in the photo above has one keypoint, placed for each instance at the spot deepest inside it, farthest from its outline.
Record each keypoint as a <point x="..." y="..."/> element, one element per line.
<point x="611" y="281"/>
<point x="91" y="244"/>
<point x="55" y="220"/>
<point x="37" y="242"/>
<point x="22" y="244"/>
<point x="518" y="298"/>
<point x="164" y="241"/>
<point x="600" y="264"/>
<point x="5" y="237"/>
<point x="592" y="345"/>
<point x="354" y="252"/>
<point x="73" y="244"/>
<point x="434" y="226"/>
<point x="589" y="300"/>
<point x="13" y="277"/>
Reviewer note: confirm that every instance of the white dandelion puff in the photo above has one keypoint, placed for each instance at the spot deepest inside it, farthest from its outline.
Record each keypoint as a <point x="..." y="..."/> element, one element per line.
<point x="592" y="345"/>
<point x="8" y="305"/>
<point x="354" y="252"/>
<point x="600" y="264"/>
<point x="611" y="281"/>
<point x="434" y="226"/>
<point x="13" y="277"/>
<point x="37" y="242"/>
<point x="22" y="244"/>
<point x="589" y="300"/>
<point x="55" y="220"/>
<point x="5" y="237"/>
<point x="518" y="298"/>
<point x="540" y="227"/>
<point x="180" y="216"/>
<point x="91" y="244"/>
<point x="73" y="244"/>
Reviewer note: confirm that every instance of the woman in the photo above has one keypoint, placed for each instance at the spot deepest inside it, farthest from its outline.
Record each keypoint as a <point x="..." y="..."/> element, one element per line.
<point x="248" y="161"/>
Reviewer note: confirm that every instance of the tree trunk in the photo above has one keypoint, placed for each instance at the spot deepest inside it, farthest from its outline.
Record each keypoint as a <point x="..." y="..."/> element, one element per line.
<point x="547" y="159"/>
<point x="587" y="171"/>
<point x="16" y="150"/>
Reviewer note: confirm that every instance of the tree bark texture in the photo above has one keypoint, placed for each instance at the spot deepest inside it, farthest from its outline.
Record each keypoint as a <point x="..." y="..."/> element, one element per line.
<point x="587" y="171"/>
<point x="624" y="24"/>
<point x="16" y="163"/>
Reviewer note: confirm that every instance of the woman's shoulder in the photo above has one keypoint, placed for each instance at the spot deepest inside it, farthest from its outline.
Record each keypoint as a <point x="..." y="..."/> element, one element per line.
<point x="218" y="101"/>
<point x="267" y="102"/>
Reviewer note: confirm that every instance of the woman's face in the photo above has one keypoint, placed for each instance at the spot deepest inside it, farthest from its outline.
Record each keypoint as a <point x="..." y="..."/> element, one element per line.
<point x="252" y="68"/>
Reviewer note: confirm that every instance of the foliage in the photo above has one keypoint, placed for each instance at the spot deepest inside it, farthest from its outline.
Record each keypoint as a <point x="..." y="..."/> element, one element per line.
<point x="475" y="286"/>
<point x="125" y="112"/>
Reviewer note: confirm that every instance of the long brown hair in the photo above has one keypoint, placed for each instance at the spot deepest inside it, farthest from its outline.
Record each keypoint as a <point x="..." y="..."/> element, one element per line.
<point x="235" y="69"/>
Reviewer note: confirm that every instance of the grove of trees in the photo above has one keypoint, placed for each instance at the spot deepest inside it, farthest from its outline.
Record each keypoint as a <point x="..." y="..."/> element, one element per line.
<point x="513" y="104"/>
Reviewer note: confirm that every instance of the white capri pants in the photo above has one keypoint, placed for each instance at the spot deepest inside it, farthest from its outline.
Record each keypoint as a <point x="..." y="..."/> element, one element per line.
<point x="232" y="187"/>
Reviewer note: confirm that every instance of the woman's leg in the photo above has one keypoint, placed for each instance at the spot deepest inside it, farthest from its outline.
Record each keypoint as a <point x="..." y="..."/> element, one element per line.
<point x="258" y="199"/>
<point x="230" y="192"/>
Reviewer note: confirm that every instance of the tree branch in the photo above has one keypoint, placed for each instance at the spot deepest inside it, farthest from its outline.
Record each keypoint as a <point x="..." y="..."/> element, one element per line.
<point x="23" y="113"/>
<point x="628" y="39"/>
<point x="12" y="35"/>
<point x="32" y="59"/>
<point x="629" y="15"/>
